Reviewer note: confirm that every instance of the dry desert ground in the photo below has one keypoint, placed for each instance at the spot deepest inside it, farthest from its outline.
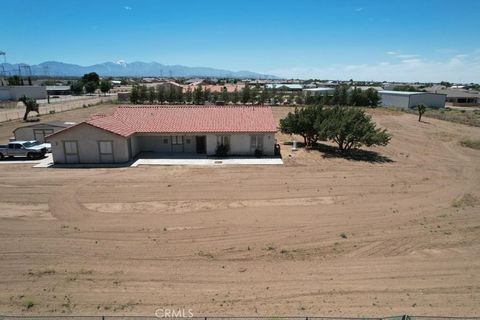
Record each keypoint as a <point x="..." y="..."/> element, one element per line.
<point x="321" y="235"/>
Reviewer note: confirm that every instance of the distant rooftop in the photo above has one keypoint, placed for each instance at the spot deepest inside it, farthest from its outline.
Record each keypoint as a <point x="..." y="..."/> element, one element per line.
<point x="403" y="93"/>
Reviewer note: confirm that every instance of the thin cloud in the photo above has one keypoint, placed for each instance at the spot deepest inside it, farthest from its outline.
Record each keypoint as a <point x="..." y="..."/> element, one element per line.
<point x="457" y="68"/>
<point x="358" y="9"/>
<point x="127" y="8"/>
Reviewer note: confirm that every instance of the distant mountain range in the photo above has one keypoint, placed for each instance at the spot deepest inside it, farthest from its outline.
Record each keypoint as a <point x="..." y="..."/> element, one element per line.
<point x="134" y="69"/>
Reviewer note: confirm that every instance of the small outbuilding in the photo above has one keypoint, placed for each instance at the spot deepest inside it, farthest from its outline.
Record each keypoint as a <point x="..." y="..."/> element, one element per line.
<point x="407" y="99"/>
<point x="131" y="130"/>
<point x="39" y="131"/>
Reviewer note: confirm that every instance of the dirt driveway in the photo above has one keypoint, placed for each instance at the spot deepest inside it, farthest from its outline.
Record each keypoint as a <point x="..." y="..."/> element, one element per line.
<point x="319" y="235"/>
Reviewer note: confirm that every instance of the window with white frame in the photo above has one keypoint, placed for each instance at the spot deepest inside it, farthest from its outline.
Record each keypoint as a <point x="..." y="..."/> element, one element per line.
<point x="105" y="147"/>
<point x="256" y="142"/>
<point x="177" y="139"/>
<point x="223" y="140"/>
<point x="71" y="147"/>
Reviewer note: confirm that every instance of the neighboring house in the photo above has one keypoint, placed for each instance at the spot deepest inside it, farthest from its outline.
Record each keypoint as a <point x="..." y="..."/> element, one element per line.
<point x="16" y="92"/>
<point x="169" y="86"/>
<point x="458" y="97"/>
<point x="130" y="131"/>
<point x="39" y="131"/>
<point x="406" y="99"/>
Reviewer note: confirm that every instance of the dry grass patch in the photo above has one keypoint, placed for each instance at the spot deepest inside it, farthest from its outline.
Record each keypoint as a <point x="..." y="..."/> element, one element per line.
<point x="467" y="200"/>
<point x="471" y="143"/>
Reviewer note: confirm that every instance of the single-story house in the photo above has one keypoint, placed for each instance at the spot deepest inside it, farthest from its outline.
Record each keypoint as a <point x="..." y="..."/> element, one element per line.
<point x="131" y="130"/>
<point x="458" y="97"/>
<point x="39" y="131"/>
<point x="407" y="99"/>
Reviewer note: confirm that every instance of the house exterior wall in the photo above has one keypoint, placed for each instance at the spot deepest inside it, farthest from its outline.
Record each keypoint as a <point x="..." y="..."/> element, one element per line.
<point x="88" y="138"/>
<point x="240" y="144"/>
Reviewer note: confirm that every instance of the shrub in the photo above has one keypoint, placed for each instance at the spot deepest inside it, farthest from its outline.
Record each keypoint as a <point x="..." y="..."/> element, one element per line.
<point x="471" y="143"/>
<point x="258" y="153"/>
<point x="222" y="150"/>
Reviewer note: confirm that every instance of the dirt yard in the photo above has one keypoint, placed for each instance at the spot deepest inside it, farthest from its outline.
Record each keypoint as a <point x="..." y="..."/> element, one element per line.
<point x="390" y="233"/>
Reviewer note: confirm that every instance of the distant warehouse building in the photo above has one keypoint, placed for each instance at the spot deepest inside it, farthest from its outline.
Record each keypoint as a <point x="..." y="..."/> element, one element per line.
<point x="319" y="91"/>
<point x="406" y="99"/>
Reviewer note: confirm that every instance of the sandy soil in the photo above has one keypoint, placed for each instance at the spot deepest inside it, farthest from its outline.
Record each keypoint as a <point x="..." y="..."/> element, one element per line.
<point x="320" y="235"/>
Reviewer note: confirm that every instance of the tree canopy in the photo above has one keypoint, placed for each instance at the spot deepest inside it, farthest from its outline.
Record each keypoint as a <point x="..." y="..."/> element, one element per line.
<point x="350" y="128"/>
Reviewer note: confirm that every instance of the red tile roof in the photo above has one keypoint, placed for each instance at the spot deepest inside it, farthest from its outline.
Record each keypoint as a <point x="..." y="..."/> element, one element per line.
<point x="127" y="120"/>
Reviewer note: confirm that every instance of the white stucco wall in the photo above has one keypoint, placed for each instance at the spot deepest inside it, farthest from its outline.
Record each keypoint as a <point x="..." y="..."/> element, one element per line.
<point x="87" y="138"/>
<point x="240" y="144"/>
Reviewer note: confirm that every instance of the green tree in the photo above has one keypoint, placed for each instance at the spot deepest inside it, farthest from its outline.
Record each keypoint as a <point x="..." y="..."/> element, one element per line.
<point x="77" y="87"/>
<point x="135" y="94"/>
<point x="188" y="95"/>
<point x="246" y="94"/>
<point x="225" y="96"/>
<point x="198" y="97"/>
<point x="105" y="86"/>
<point x="91" y="81"/>
<point x="421" y="108"/>
<point x="14" y="81"/>
<point x="350" y="128"/>
<point x="160" y="94"/>
<point x="302" y="122"/>
<point x="340" y="96"/>
<point x="372" y="97"/>
<point x="30" y="105"/>
<point x="90" y="87"/>
<point x="235" y="96"/>
<point x="152" y="95"/>
<point x="143" y="94"/>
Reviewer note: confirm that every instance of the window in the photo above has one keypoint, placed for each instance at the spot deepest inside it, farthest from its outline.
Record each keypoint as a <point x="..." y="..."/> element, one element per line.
<point x="40" y="134"/>
<point x="177" y="139"/>
<point x="223" y="140"/>
<point x="256" y="142"/>
<point x="165" y="141"/>
<point x="187" y="141"/>
<point x="106" y="147"/>
<point x="71" y="147"/>
<point x="105" y="150"/>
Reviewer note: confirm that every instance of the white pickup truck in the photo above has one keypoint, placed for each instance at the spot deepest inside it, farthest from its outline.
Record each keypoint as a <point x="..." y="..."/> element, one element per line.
<point x="29" y="149"/>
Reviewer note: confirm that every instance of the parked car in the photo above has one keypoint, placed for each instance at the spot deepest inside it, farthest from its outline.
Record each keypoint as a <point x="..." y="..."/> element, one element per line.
<point x="22" y="149"/>
<point x="46" y="145"/>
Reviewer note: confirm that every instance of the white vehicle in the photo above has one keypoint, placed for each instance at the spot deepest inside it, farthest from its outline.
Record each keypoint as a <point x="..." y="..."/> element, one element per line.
<point x="22" y="149"/>
<point x="45" y="145"/>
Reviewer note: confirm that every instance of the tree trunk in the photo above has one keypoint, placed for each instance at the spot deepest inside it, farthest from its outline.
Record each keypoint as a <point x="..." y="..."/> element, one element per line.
<point x="25" y="115"/>
<point x="419" y="117"/>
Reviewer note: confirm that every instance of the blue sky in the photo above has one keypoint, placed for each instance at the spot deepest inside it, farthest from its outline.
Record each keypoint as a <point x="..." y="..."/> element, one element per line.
<point x="404" y="40"/>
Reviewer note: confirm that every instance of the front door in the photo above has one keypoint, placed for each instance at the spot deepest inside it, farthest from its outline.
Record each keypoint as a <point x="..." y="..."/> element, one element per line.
<point x="201" y="143"/>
